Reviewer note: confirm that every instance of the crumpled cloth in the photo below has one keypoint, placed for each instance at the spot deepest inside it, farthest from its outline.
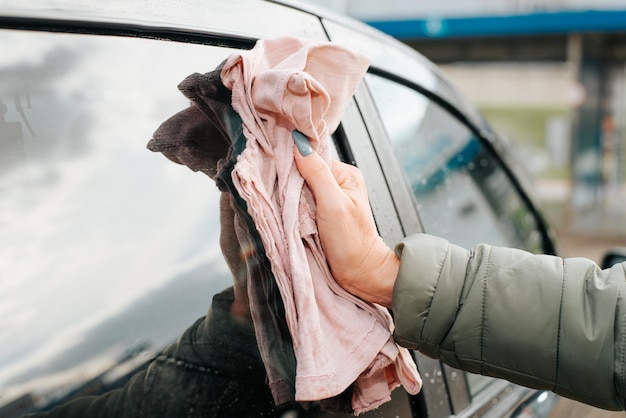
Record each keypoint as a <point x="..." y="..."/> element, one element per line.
<point x="339" y="341"/>
<point x="208" y="137"/>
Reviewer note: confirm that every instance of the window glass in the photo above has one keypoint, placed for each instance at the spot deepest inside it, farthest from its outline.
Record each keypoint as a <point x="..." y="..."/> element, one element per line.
<point x="109" y="251"/>
<point x="117" y="266"/>
<point x="461" y="190"/>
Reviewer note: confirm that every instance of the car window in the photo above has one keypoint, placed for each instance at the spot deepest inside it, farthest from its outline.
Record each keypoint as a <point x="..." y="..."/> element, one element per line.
<point x="109" y="251"/>
<point x="113" y="257"/>
<point x="461" y="190"/>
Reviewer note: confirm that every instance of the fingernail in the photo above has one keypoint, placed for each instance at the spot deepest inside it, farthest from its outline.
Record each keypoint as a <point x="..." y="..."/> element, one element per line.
<point x="304" y="147"/>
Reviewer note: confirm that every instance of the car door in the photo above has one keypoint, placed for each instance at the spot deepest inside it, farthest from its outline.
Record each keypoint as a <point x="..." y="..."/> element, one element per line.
<point x="110" y="252"/>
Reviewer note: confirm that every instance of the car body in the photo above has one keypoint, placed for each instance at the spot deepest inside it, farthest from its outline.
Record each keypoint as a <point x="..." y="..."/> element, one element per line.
<point x="109" y="251"/>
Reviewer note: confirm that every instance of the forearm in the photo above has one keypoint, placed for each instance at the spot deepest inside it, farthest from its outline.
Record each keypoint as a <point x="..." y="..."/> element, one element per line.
<point x="536" y="320"/>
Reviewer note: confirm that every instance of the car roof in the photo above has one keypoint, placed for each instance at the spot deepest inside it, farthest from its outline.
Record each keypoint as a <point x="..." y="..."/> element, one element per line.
<point x="194" y="15"/>
<point x="255" y="19"/>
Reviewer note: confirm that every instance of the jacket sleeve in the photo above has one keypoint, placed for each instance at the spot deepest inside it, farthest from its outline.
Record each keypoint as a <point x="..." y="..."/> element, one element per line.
<point x="536" y="320"/>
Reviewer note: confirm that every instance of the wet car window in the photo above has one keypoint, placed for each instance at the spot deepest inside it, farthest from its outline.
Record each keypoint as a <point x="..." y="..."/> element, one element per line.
<point x="109" y="251"/>
<point x="461" y="190"/>
<point x="123" y="273"/>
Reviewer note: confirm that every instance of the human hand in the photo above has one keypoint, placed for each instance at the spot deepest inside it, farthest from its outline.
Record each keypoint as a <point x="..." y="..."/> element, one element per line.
<point x="359" y="259"/>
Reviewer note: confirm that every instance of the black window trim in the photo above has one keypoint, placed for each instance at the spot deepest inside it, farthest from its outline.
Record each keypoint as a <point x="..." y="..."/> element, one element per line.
<point x="105" y="28"/>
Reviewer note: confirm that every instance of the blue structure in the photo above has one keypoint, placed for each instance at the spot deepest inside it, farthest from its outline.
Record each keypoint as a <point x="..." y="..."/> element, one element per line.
<point x="562" y="22"/>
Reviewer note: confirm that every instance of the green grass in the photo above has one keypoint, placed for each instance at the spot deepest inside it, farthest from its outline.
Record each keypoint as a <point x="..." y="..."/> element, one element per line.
<point x="526" y="126"/>
<point x="522" y="125"/>
<point x="555" y="173"/>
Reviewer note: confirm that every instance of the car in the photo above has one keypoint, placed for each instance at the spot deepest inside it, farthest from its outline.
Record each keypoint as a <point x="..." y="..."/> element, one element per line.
<point x="109" y="252"/>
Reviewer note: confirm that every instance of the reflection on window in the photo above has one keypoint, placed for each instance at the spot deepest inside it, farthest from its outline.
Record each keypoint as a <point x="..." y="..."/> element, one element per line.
<point x="109" y="251"/>
<point x="124" y="275"/>
<point x="462" y="192"/>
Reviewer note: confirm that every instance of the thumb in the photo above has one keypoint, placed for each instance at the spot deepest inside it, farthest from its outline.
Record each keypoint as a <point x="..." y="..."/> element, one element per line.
<point x="315" y="171"/>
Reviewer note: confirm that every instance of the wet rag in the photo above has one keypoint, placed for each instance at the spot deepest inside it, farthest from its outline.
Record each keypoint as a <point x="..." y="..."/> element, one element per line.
<point x="340" y="342"/>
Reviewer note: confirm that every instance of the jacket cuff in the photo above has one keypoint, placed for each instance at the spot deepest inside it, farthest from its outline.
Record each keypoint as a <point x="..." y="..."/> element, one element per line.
<point x="427" y="291"/>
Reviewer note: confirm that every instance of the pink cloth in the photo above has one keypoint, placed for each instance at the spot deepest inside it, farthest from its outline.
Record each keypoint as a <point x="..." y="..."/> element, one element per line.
<point x="339" y="340"/>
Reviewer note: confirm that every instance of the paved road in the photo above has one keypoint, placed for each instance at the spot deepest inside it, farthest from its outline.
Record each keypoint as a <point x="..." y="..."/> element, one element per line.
<point x="589" y="244"/>
<point x="571" y="409"/>
<point x="583" y="235"/>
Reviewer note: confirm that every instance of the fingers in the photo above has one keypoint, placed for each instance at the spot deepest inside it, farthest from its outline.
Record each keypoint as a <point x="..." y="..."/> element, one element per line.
<point x="326" y="182"/>
<point x="318" y="176"/>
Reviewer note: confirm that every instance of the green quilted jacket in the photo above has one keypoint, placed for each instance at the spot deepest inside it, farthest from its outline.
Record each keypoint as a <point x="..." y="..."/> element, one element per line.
<point x="535" y="320"/>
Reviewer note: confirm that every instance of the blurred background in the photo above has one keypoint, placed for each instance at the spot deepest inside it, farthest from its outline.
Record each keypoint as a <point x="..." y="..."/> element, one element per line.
<point x="549" y="76"/>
